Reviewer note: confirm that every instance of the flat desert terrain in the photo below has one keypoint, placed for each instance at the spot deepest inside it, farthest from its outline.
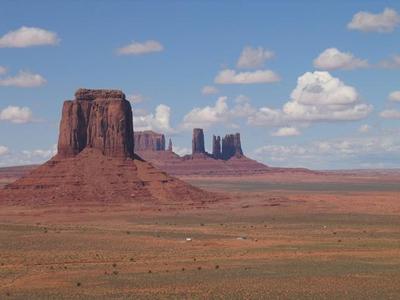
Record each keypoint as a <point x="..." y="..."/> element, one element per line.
<point x="325" y="236"/>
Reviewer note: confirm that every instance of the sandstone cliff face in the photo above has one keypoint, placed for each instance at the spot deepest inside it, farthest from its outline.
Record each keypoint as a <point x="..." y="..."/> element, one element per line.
<point x="231" y="146"/>
<point x="216" y="147"/>
<point x="149" y="141"/>
<point x="170" y="145"/>
<point x="198" y="141"/>
<point x="100" y="119"/>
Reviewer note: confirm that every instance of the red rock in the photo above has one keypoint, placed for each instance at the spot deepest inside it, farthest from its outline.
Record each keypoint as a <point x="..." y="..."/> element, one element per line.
<point x="198" y="141"/>
<point x="170" y="145"/>
<point x="149" y="141"/>
<point x="100" y="119"/>
<point x="231" y="146"/>
<point x="95" y="164"/>
<point x="216" y="147"/>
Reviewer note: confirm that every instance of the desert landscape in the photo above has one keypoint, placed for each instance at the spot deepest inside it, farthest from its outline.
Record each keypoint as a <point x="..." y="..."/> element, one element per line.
<point x="199" y="149"/>
<point x="98" y="222"/>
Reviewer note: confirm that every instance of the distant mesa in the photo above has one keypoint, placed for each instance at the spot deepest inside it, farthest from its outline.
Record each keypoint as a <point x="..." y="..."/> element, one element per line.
<point x="149" y="140"/>
<point x="227" y="157"/>
<point x="96" y="163"/>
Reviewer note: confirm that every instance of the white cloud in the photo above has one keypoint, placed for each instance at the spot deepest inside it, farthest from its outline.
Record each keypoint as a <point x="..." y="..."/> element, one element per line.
<point x="3" y="70"/>
<point x="40" y="153"/>
<point x="207" y="116"/>
<point x="136" y="48"/>
<point x="390" y="114"/>
<point x="333" y="59"/>
<point x="369" y="22"/>
<point x="318" y="97"/>
<point x="347" y="152"/>
<point x="134" y="99"/>
<point x="365" y="128"/>
<point x="24" y="80"/>
<point x="3" y="150"/>
<point x="209" y="90"/>
<point x="28" y="37"/>
<point x="228" y="76"/>
<point x="160" y="121"/>
<point x="27" y="157"/>
<point x="286" y="131"/>
<point x="16" y="114"/>
<point x="254" y="57"/>
<point x="391" y="63"/>
<point x="394" y="96"/>
<point x="242" y="107"/>
<point x="181" y="151"/>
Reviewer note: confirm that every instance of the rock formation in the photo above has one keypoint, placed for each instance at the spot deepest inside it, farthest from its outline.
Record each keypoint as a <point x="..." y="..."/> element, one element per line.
<point x="198" y="141"/>
<point x="231" y="146"/>
<point x="95" y="164"/>
<point x="149" y="141"/>
<point x="216" y="147"/>
<point x="170" y="145"/>
<point x="100" y="119"/>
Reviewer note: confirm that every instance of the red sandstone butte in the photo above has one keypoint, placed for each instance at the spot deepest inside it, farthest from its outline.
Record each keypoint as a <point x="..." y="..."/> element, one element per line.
<point x="96" y="163"/>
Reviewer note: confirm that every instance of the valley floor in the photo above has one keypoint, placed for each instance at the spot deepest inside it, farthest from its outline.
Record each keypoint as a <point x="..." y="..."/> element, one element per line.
<point x="304" y="240"/>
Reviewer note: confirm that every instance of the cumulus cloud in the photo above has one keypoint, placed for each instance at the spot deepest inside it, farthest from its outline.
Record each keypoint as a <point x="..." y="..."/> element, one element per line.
<point x="381" y="150"/>
<point x="333" y="59"/>
<point x="27" y="157"/>
<point x="394" y="96"/>
<point x="40" y="154"/>
<point x="386" y="21"/>
<point x="3" y="150"/>
<point x="228" y="76"/>
<point x="23" y="80"/>
<point x="209" y="90"/>
<point x="136" y="48"/>
<point x="159" y="121"/>
<point x="16" y="114"/>
<point x="3" y="70"/>
<point x="28" y="37"/>
<point x="391" y="63"/>
<point x="390" y="114"/>
<point x="207" y="116"/>
<point x="254" y="57"/>
<point x="318" y="97"/>
<point x="286" y="131"/>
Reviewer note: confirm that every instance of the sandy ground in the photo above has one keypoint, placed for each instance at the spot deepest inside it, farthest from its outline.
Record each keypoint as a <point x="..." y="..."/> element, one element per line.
<point x="270" y="239"/>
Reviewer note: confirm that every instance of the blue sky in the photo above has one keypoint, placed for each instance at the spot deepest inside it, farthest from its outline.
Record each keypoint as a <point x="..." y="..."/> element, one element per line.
<point x="342" y="58"/>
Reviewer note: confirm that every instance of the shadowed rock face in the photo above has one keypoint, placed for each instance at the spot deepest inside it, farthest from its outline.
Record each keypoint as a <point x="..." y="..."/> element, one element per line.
<point x="100" y="119"/>
<point x="198" y="141"/>
<point x="231" y="146"/>
<point x="170" y="145"/>
<point x="149" y="140"/>
<point x="216" y="147"/>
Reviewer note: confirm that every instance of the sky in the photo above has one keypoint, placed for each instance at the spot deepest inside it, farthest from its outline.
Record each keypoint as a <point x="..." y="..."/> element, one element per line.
<point x="311" y="84"/>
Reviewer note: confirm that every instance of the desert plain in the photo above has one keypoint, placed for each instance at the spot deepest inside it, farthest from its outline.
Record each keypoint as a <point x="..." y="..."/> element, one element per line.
<point x="271" y="236"/>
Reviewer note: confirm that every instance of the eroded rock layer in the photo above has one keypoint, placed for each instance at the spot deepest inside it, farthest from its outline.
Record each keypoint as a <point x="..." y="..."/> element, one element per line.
<point x="149" y="141"/>
<point x="100" y="119"/>
<point x="95" y="164"/>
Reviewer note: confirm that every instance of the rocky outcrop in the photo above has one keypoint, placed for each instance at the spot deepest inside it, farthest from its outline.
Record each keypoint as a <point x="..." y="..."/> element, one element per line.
<point x="149" y="141"/>
<point x="94" y="165"/>
<point x="216" y="147"/>
<point x="231" y="146"/>
<point x="100" y="119"/>
<point x="170" y="145"/>
<point x="198" y="141"/>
